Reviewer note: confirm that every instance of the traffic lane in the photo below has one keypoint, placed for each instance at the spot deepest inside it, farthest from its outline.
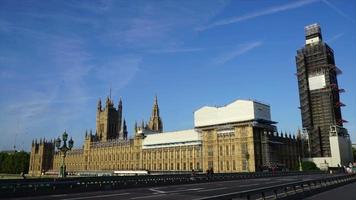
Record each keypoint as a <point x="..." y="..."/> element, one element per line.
<point x="218" y="189"/>
<point x="199" y="189"/>
<point x="343" y="192"/>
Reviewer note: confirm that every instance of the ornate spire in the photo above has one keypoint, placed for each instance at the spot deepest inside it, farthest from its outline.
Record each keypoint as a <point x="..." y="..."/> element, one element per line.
<point x="136" y="127"/>
<point x="99" y="104"/>
<point x="120" y="103"/>
<point x="124" y="130"/>
<point x="107" y="102"/>
<point x="155" y="123"/>
<point x="119" y="121"/>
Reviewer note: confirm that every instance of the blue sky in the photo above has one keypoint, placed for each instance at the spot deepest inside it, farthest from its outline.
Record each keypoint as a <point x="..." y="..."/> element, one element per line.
<point x="58" y="57"/>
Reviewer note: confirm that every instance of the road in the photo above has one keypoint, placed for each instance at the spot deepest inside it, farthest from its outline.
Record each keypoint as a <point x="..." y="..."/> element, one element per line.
<point x="184" y="191"/>
<point x="343" y="192"/>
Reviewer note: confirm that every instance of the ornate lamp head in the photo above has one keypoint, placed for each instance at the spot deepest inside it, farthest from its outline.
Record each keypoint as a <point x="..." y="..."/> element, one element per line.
<point x="65" y="136"/>
<point x="70" y="143"/>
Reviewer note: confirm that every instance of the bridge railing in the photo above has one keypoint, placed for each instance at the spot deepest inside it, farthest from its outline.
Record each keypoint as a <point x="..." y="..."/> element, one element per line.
<point x="16" y="187"/>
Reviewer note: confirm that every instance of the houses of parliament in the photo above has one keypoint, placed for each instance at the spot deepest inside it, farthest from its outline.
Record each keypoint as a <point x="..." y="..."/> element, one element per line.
<point x="237" y="137"/>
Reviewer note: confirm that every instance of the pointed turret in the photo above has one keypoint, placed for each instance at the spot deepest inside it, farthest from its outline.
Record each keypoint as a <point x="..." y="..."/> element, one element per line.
<point x="136" y="127"/>
<point x="107" y="103"/>
<point x="299" y="135"/>
<point x="124" y="130"/>
<point x="99" y="104"/>
<point x="155" y="123"/>
<point x="119" y="121"/>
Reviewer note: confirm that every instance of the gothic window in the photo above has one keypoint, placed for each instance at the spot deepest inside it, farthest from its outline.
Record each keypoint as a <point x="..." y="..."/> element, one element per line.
<point x="101" y="130"/>
<point x="210" y="164"/>
<point x="210" y="150"/>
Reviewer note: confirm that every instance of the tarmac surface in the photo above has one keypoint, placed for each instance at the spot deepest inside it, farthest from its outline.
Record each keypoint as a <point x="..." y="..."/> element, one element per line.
<point x="188" y="191"/>
<point x="344" y="192"/>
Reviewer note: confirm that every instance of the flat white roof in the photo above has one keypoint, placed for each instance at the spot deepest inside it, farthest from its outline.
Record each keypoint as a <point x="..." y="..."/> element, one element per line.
<point x="237" y="111"/>
<point x="170" y="139"/>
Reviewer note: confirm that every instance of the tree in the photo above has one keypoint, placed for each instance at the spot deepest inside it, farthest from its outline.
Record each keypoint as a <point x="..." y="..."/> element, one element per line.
<point x="14" y="163"/>
<point x="309" y="166"/>
<point x="354" y="153"/>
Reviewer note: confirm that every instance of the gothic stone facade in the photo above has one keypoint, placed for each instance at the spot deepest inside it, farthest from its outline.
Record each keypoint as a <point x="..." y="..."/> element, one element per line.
<point x="232" y="146"/>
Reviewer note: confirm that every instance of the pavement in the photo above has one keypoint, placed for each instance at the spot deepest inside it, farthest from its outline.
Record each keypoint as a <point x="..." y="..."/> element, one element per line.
<point x="184" y="191"/>
<point x="344" y="192"/>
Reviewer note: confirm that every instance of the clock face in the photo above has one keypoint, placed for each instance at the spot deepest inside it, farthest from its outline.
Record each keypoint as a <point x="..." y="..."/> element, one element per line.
<point x="316" y="82"/>
<point x="312" y="40"/>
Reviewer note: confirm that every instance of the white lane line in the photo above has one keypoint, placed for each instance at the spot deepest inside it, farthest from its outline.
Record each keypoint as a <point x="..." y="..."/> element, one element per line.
<point x="184" y="190"/>
<point x="247" y="185"/>
<point x="157" y="191"/>
<point x="149" y="196"/>
<point x="97" y="196"/>
<point x="58" y="195"/>
<point x="207" y="190"/>
<point x="173" y="191"/>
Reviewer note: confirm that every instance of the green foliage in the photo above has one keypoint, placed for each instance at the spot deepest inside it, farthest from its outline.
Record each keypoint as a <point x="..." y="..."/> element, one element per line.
<point x="354" y="153"/>
<point x="309" y="166"/>
<point x="14" y="163"/>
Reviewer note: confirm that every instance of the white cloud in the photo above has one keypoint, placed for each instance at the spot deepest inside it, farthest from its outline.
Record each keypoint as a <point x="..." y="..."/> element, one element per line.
<point x="176" y="50"/>
<point x="335" y="37"/>
<point x="340" y="12"/>
<point x="242" y="49"/>
<point x="268" y="11"/>
<point x="117" y="72"/>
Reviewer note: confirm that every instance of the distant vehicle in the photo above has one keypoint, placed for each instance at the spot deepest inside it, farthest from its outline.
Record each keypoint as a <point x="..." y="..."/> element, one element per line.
<point x="130" y="172"/>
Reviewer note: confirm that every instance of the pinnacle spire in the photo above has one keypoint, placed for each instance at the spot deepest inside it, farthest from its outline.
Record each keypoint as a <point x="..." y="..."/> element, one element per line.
<point x="155" y="123"/>
<point x="99" y="104"/>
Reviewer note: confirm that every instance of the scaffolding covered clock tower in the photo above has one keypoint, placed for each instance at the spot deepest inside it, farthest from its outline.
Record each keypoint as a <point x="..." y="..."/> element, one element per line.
<point x="320" y="103"/>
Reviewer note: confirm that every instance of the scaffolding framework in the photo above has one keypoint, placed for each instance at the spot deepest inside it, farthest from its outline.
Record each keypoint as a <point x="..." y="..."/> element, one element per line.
<point x="320" y="107"/>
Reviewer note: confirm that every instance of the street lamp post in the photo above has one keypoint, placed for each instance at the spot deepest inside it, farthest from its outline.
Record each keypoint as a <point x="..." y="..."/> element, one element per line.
<point x="63" y="149"/>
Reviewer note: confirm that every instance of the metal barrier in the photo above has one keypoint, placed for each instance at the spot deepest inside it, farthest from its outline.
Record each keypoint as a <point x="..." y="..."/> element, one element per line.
<point x="17" y="188"/>
<point x="296" y="190"/>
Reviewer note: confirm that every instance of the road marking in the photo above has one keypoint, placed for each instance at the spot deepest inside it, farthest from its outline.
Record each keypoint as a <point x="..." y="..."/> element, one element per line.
<point x="206" y="190"/>
<point x="247" y="185"/>
<point x="183" y="190"/>
<point x="59" y="195"/>
<point x="174" y="191"/>
<point x="149" y="196"/>
<point x="97" y="196"/>
<point x="158" y="191"/>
